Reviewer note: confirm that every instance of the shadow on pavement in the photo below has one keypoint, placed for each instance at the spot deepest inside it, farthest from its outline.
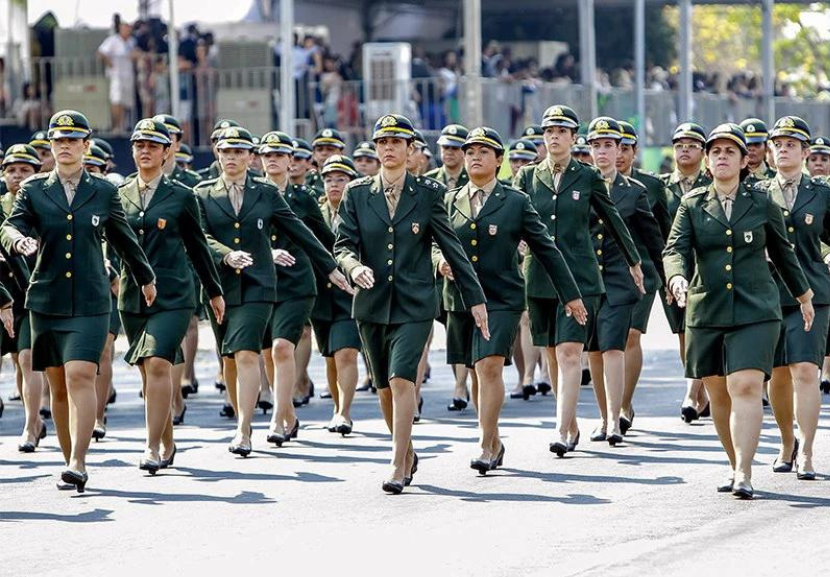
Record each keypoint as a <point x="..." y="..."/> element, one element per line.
<point x="95" y="516"/>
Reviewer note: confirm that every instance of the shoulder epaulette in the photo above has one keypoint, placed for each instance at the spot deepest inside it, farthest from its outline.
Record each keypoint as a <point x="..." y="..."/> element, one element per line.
<point x="636" y="182"/>
<point x="696" y="191"/>
<point x="36" y="176"/>
<point x="206" y="183"/>
<point x="430" y="182"/>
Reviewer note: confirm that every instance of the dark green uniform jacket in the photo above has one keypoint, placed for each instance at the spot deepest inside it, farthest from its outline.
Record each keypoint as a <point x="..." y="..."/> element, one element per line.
<point x="440" y="174"/>
<point x="167" y="228"/>
<point x="567" y="216"/>
<point x="808" y="223"/>
<point x="491" y="241"/>
<point x="753" y="179"/>
<point x="732" y="284"/>
<point x="398" y="250"/>
<point x="331" y="304"/>
<point x="631" y="200"/>
<point x="314" y="182"/>
<point x="298" y="281"/>
<point x="70" y="278"/>
<point x="675" y="191"/>
<point x="251" y="231"/>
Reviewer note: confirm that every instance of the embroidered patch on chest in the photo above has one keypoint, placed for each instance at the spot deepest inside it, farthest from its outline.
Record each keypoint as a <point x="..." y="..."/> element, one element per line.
<point x="748" y="236"/>
<point x="416" y="228"/>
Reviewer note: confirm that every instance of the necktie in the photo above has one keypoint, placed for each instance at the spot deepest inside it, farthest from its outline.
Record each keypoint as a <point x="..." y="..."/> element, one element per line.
<point x="451" y="182"/>
<point x="557" y="170"/>
<point x="475" y="202"/>
<point x="144" y="192"/>
<point x="236" y="197"/>
<point x="687" y="183"/>
<point x="789" y="189"/>
<point x="392" y="196"/>
<point x="726" y="203"/>
<point x="69" y="188"/>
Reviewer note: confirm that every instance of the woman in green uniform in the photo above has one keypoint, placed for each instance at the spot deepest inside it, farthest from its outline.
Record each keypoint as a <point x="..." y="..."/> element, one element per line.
<point x="490" y="220"/>
<point x="565" y="192"/>
<point x="334" y="328"/>
<point x="384" y="243"/>
<point x="164" y="215"/>
<point x="296" y="286"/>
<point x="19" y="163"/>
<point x="687" y="141"/>
<point x="794" y="387"/>
<point x="239" y="215"/>
<point x="366" y="159"/>
<point x="72" y="212"/>
<point x="608" y="341"/>
<point x="733" y="317"/>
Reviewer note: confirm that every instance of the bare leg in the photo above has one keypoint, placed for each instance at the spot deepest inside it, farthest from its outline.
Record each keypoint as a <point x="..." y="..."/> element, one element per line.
<point x="597" y="368"/>
<point x="807" y="409"/>
<point x="745" y="389"/>
<point x="230" y="375"/>
<point x="302" y="356"/>
<point x="568" y="357"/>
<point x="284" y="361"/>
<point x="721" y="410"/>
<point x="190" y="346"/>
<point x="80" y="385"/>
<point x="60" y="409"/>
<point x="781" y="398"/>
<point x="518" y="360"/>
<point x="403" y="409"/>
<point x="633" y="369"/>
<point x="32" y="393"/>
<point x="103" y="381"/>
<point x="489" y="386"/>
<point x="331" y="381"/>
<point x="614" y="387"/>
<point x="346" y="361"/>
<point x="247" y="391"/>
<point x="158" y="393"/>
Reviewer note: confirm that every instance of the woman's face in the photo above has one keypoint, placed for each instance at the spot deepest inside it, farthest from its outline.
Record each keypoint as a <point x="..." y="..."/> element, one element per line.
<point x="559" y="140"/>
<point x="234" y="161"/>
<point x="818" y="164"/>
<point x="605" y="152"/>
<point x="276" y="163"/>
<point x="481" y="161"/>
<point x="16" y="173"/>
<point x="149" y="155"/>
<point x="69" y="151"/>
<point x="335" y="182"/>
<point x="393" y="151"/>
<point x="725" y="160"/>
<point x="366" y="166"/>
<point x="789" y="153"/>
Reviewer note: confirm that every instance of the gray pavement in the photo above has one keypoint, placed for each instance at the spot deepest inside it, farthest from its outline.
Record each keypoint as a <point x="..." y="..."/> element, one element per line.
<point x="315" y="506"/>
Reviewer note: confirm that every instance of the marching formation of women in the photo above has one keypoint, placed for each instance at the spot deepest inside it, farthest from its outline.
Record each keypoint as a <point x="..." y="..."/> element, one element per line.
<point x="555" y="269"/>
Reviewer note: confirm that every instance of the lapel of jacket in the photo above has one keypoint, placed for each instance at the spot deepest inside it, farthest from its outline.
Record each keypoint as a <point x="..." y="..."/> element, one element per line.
<point x="461" y="202"/>
<point x="129" y="192"/>
<point x="54" y="190"/>
<point x="712" y="206"/>
<point x="743" y="202"/>
<point x="542" y="173"/>
<point x="85" y="192"/>
<point x="806" y="193"/>
<point x="494" y="202"/>
<point x="570" y="176"/>
<point x="463" y="178"/>
<point x="377" y="200"/>
<point x="219" y="194"/>
<point x="407" y="202"/>
<point x="164" y="189"/>
<point x="776" y="193"/>
<point x="253" y="190"/>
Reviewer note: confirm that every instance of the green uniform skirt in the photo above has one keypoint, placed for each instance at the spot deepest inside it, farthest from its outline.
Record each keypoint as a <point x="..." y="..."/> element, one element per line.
<point x="337" y="335"/>
<point x="393" y="351"/>
<point x="57" y="340"/>
<point x="243" y="329"/>
<point x="159" y="334"/>
<point x="289" y="318"/>
<point x="24" y="337"/>
<point x="718" y="351"/>
<point x="550" y="326"/>
<point x="465" y="344"/>
<point x="610" y="331"/>
<point x="797" y="346"/>
<point x="642" y="312"/>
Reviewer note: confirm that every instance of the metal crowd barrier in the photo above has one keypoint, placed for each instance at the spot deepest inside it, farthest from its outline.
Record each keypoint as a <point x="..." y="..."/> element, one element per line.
<point x="251" y="96"/>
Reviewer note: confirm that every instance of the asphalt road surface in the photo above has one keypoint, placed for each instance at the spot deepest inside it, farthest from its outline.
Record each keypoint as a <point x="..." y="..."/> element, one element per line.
<point x="315" y="507"/>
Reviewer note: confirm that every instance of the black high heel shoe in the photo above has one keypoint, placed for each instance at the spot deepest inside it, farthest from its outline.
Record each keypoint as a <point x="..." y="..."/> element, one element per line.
<point x="517" y="395"/>
<point x="78" y="479"/>
<point x="295" y="429"/>
<point x="689" y="414"/>
<point x="150" y="465"/>
<point x="187" y="390"/>
<point x="227" y="411"/>
<point x="3" y="407"/>
<point x="586" y="377"/>
<point x="499" y="460"/>
<point x="706" y="412"/>
<point x="278" y="438"/>
<point x="179" y="419"/>
<point x="113" y="396"/>
<point x="241" y="450"/>
<point x="528" y="391"/>
<point x="408" y="480"/>
<point x="29" y="447"/>
<point x="572" y="445"/>
<point x="599" y="435"/>
<point x="743" y="490"/>
<point x="220" y="386"/>
<point x="265" y="405"/>
<point x="45" y="413"/>
<point x="825" y="386"/>
<point x="559" y="448"/>
<point x="344" y="429"/>
<point x="99" y="433"/>
<point x="392" y="487"/>
<point x="168" y="462"/>
<point x="457" y="404"/>
<point x="626" y="422"/>
<point x="480" y="465"/>
<point x="786" y="466"/>
<point x="614" y="439"/>
<point x="543" y="388"/>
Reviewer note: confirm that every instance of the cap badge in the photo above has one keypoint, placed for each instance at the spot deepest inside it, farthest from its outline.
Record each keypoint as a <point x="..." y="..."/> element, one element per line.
<point x="65" y="120"/>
